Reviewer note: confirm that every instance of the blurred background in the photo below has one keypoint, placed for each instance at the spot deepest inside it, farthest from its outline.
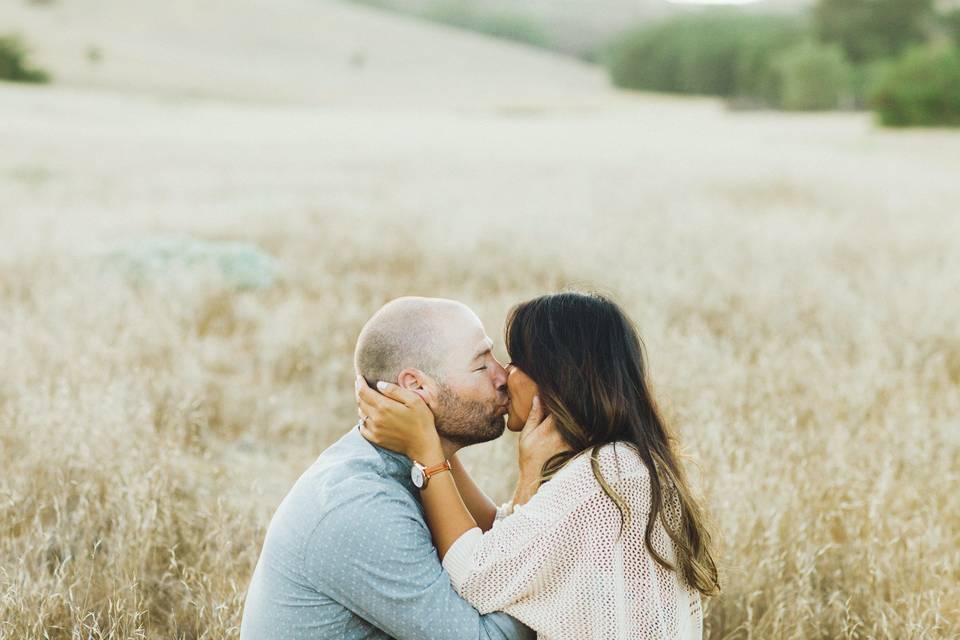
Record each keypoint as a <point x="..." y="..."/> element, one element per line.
<point x="201" y="203"/>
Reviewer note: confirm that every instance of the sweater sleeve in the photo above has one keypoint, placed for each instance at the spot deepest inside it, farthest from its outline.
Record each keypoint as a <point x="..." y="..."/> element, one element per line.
<point x="533" y="546"/>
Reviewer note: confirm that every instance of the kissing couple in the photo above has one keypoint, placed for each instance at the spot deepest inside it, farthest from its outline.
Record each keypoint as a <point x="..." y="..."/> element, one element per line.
<point x="387" y="535"/>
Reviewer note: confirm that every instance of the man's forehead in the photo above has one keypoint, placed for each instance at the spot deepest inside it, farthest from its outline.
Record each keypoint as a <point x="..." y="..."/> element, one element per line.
<point x="467" y="337"/>
<point x="486" y="344"/>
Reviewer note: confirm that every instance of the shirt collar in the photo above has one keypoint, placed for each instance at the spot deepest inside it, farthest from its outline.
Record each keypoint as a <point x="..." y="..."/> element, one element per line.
<point x="396" y="465"/>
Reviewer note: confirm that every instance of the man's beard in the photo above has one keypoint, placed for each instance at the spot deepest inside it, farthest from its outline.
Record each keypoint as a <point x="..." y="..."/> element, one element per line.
<point x="466" y="422"/>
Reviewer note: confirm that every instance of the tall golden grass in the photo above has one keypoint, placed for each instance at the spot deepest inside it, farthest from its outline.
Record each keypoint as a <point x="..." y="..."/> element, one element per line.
<point x="795" y="279"/>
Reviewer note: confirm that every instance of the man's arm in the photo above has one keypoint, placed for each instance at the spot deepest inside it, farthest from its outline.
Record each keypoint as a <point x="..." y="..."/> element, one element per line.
<point x="378" y="561"/>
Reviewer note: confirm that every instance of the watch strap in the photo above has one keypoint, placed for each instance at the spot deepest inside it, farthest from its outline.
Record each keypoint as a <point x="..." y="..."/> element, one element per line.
<point x="429" y="472"/>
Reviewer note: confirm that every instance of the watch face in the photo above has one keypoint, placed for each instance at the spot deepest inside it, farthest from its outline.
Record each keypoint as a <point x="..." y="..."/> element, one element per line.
<point x="416" y="474"/>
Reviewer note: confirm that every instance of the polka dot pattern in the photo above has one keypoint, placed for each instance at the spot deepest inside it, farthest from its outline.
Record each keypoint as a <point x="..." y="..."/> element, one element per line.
<point x="348" y="556"/>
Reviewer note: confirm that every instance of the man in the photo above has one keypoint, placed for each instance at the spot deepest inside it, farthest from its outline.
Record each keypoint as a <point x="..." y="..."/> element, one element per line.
<point x="348" y="554"/>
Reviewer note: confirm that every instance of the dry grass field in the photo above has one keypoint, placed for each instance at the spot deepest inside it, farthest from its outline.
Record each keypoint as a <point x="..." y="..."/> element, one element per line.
<point x="795" y="277"/>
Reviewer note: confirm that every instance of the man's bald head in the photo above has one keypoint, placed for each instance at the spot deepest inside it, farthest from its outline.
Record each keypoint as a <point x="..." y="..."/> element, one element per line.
<point x="405" y="332"/>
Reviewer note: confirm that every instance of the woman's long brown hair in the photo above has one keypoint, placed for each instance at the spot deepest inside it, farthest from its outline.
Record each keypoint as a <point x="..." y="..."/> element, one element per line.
<point x="586" y="357"/>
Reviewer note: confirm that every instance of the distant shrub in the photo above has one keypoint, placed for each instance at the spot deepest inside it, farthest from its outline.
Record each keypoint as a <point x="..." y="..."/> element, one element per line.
<point x="872" y="29"/>
<point x="593" y="55"/>
<point x="951" y="23"/>
<point x="922" y="88"/>
<point x="757" y="49"/>
<point x="499" y="24"/>
<point x="388" y="5"/>
<point x="467" y="15"/>
<point x="718" y="52"/>
<point x="812" y="76"/>
<point x="14" y="65"/>
<point x="863" y="79"/>
<point x="94" y="54"/>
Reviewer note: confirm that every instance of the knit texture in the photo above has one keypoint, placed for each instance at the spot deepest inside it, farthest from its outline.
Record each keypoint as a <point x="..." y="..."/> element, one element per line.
<point x="556" y="563"/>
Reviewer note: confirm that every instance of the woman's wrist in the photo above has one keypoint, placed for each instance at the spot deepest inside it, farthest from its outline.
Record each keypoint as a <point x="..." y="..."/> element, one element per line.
<point x="525" y="489"/>
<point x="428" y="453"/>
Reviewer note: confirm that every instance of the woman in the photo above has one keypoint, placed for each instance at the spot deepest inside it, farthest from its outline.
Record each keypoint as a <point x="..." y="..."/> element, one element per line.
<point x="603" y="538"/>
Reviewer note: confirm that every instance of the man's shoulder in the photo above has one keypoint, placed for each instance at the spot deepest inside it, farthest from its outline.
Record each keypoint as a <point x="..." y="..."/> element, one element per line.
<point x="346" y="485"/>
<point x="348" y="475"/>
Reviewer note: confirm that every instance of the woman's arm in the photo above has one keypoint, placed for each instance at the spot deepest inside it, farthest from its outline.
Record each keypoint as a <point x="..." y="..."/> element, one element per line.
<point x="481" y="507"/>
<point x="447" y="515"/>
<point x="398" y="419"/>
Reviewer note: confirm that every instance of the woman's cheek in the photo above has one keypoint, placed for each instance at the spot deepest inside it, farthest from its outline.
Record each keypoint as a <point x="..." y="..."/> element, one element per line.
<point x="513" y="417"/>
<point x="521" y="390"/>
<point x="523" y="403"/>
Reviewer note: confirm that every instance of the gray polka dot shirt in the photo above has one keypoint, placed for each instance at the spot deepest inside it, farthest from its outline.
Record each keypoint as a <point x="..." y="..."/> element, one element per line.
<point x="348" y="555"/>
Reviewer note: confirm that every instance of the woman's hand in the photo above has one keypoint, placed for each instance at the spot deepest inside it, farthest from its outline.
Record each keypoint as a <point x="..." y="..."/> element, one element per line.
<point x="539" y="441"/>
<point x="398" y="419"/>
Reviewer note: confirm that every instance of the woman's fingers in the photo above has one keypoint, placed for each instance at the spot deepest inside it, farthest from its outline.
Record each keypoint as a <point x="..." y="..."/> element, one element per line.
<point x="368" y="434"/>
<point x="552" y="439"/>
<point x="367" y="399"/>
<point x="534" y="417"/>
<point x="386" y="394"/>
<point x="371" y="398"/>
<point x="368" y="410"/>
<point x="362" y="388"/>
<point x="536" y="411"/>
<point x="548" y="430"/>
<point x="398" y="393"/>
<point x="371" y="434"/>
<point x="548" y="426"/>
<point x="388" y="414"/>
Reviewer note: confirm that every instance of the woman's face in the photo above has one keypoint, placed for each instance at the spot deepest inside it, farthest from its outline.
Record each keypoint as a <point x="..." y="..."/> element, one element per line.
<point x="522" y="389"/>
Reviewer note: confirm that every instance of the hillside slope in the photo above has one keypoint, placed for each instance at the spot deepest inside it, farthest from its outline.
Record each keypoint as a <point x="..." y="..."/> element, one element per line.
<point x="296" y="51"/>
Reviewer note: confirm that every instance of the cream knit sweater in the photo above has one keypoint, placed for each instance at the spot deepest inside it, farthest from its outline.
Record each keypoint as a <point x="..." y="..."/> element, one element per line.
<point x="556" y="565"/>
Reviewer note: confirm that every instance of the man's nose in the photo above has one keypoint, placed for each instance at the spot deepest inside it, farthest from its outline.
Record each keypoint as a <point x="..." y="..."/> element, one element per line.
<point x="500" y="378"/>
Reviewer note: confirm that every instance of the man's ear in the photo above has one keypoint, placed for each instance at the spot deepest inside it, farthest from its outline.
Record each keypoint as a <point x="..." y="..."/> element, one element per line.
<point x="418" y="382"/>
<point x="410" y="379"/>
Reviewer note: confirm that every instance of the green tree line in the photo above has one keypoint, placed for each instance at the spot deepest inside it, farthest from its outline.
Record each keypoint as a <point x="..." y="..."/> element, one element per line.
<point x="898" y="57"/>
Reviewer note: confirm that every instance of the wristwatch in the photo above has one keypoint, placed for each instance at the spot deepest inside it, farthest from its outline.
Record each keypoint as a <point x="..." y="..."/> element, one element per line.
<point x="421" y="475"/>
